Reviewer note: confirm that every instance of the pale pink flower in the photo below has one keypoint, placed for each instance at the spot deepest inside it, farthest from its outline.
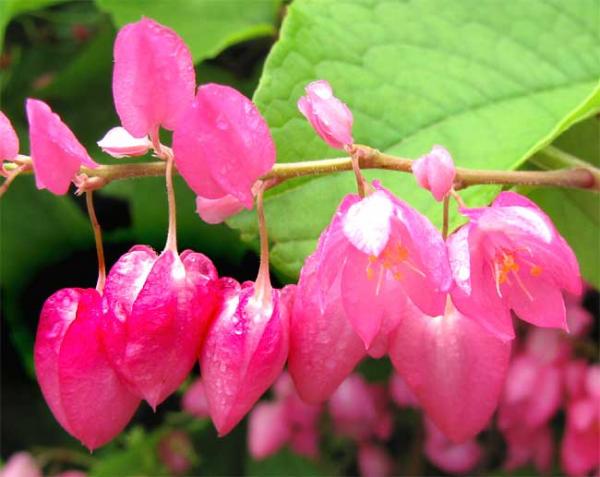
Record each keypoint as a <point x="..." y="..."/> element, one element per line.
<point x="9" y="141"/>
<point x="374" y="461"/>
<point x="194" y="400"/>
<point x="158" y="310"/>
<point x="222" y="146"/>
<point x="435" y="172"/>
<point x="526" y="445"/>
<point x="268" y="430"/>
<point x="56" y="153"/>
<point x="153" y="78"/>
<point x="447" y="455"/>
<point x="510" y="256"/>
<point x="455" y="368"/>
<point x="329" y="117"/>
<point x="21" y="464"/>
<point x="73" y="369"/>
<point x="244" y="352"/>
<point x="119" y="143"/>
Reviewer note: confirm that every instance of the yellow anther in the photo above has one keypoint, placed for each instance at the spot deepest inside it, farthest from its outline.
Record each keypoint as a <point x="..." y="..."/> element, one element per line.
<point x="535" y="271"/>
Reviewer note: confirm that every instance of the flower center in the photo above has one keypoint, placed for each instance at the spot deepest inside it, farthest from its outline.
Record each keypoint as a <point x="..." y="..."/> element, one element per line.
<point x="394" y="257"/>
<point x="508" y="263"/>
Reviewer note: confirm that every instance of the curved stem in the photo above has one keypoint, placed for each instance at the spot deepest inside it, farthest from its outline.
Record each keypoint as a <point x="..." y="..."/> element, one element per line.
<point x="12" y="175"/>
<point x="263" y="280"/>
<point x="172" y="234"/>
<point x="89" y="200"/>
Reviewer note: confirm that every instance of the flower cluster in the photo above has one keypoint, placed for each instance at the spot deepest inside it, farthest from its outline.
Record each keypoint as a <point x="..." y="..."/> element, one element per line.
<point x="382" y="280"/>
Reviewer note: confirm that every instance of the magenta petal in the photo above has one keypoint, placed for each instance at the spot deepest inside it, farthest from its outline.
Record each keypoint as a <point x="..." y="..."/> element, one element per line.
<point x="244" y="352"/>
<point x="374" y="461"/>
<point x="222" y="144"/>
<point x="455" y="368"/>
<point x="9" y="141"/>
<point x="97" y="404"/>
<point x="215" y="211"/>
<point x="324" y="348"/>
<point x="267" y="429"/>
<point x="448" y="456"/>
<point x="55" y="151"/>
<point x="153" y="77"/>
<point x="194" y="400"/>
<point x="435" y="172"/>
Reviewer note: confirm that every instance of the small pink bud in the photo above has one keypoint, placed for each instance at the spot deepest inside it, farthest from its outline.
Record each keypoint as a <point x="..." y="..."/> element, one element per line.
<point x="435" y="172"/>
<point x="176" y="451"/>
<point x="21" y="464"/>
<point x="9" y="141"/>
<point x="56" y="153"/>
<point x="455" y="368"/>
<point x="82" y="390"/>
<point x="330" y="117"/>
<point x="222" y="145"/>
<point x="245" y="350"/>
<point x="268" y="429"/>
<point x="158" y="309"/>
<point x="374" y="461"/>
<point x="119" y="143"/>
<point x="153" y="78"/>
<point x="194" y="400"/>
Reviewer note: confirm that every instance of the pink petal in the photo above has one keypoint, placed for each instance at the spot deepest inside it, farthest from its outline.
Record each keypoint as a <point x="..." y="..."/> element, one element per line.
<point x="401" y="393"/>
<point x="267" y="429"/>
<point x="435" y="172"/>
<point x="21" y="464"/>
<point x="374" y="461"/>
<point x="448" y="456"/>
<point x="9" y="141"/>
<point x="119" y="143"/>
<point x="579" y="449"/>
<point x="245" y="350"/>
<point x="331" y="118"/>
<point x="455" y="368"/>
<point x="55" y="151"/>
<point x="194" y="400"/>
<point x="153" y="77"/>
<point x="324" y="348"/>
<point x="305" y="442"/>
<point x="215" y="211"/>
<point x="222" y="144"/>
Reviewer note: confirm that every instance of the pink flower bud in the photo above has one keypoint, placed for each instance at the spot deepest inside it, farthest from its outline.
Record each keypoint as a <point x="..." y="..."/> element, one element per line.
<point x="119" y="143"/>
<point x="176" y="451"/>
<point x="158" y="309"/>
<point x="153" y="78"/>
<point x="435" y="172"/>
<point x="455" y="368"/>
<point x="21" y="464"/>
<point x="510" y="256"/>
<point x="82" y="390"/>
<point x="268" y="429"/>
<point x="9" y="141"/>
<point x="222" y="145"/>
<point x="374" y="461"/>
<point x="244" y="352"/>
<point x="330" y="117"/>
<point x="401" y="393"/>
<point x="56" y="153"/>
<point x="194" y="400"/>
<point x="448" y="456"/>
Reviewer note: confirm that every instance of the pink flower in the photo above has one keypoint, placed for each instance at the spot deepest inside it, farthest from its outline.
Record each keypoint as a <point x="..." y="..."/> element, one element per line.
<point x="268" y="430"/>
<point x="194" y="400"/>
<point x="330" y="117"/>
<point x="9" y="141"/>
<point x="153" y="78"/>
<point x="119" y="143"/>
<point x="435" y="172"/>
<point x="454" y="367"/>
<point x="449" y="456"/>
<point x="21" y="464"/>
<point x="73" y="370"/>
<point x="158" y="309"/>
<point x="245" y="350"/>
<point x="401" y="393"/>
<point x="374" y="461"/>
<point x="526" y="445"/>
<point x="510" y="256"/>
<point x="56" y="153"/>
<point x="222" y="145"/>
<point x="382" y="250"/>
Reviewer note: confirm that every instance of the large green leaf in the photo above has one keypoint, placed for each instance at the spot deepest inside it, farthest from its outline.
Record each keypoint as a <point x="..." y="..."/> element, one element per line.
<point x="207" y="26"/>
<point x="493" y="82"/>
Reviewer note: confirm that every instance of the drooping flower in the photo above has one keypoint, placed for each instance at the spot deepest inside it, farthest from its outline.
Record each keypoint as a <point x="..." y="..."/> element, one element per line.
<point x="222" y="145"/>
<point x="510" y="256"/>
<point x="455" y="368"/>
<point x="194" y="400"/>
<point x="21" y="464"/>
<point x="73" y="369"/>
<point x="245" y="350"/>
<point x="119" y="143"/>
<point x="435" y="172"/>
<point x="158" y="309"/>
<point x="268" y="430"/>
<point x="9" y="141"/>
<point x="447" y="455"/>
<point x="382" y="250"/>
<point x="329" y="117"/>
<point x="153" y="78"/>
<point x="56" y="153"/>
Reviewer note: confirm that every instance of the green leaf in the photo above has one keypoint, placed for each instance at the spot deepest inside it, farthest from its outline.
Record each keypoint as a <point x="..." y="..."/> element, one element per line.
<point x="286" y="463"/>
<point x="493" y="83"/>
<point x="207" y="26"/>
